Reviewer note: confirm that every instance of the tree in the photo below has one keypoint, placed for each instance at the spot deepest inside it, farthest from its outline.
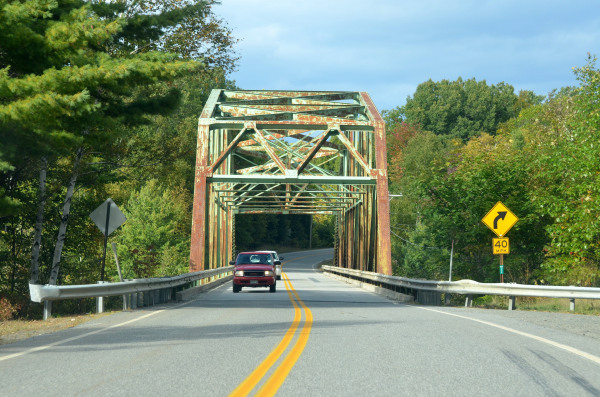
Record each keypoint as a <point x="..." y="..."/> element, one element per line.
<point x="460" y="109"/>
<point x="397" y="138"/>
<point x="165" y="149"/>
<point x="185" y="27"/>
<point x="422" y="157"/>
<point x="155" y="239"/>
<point x="566" y="177"/>
<point x="323" y="229"/>
<point x="77" y="95"/>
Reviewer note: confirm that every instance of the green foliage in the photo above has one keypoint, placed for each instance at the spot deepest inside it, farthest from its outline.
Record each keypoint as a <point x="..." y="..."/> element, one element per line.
<point x="269" y="231"/>
<point x="569" y="163"/>
<point x="165" y="149"/>
<point x="185" y="27"/>
<point x="154" y="241"/>
<point x="99" y="75"/>
<point x="417" y="162"/>
<point x="543" y="164"/>
<point x="74" y="93"/>
<point x="323" y="227"/>
<point x="460" y="109"/>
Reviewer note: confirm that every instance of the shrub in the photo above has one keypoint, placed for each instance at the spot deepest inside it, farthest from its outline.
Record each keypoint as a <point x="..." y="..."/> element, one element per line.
<point x="8" y="309"/>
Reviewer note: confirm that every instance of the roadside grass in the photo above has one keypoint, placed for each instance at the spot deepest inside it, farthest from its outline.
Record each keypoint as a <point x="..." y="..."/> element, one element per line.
<point x="12" y="331"/>
<point x="582" y="306"/>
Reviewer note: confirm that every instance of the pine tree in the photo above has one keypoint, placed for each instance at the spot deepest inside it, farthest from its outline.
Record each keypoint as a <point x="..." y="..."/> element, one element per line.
<point x="67" y="86"/>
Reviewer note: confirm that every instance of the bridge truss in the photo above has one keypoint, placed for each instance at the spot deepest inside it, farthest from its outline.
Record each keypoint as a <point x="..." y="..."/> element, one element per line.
<point x="292" y="152"/>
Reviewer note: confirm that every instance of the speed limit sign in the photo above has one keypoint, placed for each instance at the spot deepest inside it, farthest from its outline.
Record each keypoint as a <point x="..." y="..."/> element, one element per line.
<point x="500" y="246"/>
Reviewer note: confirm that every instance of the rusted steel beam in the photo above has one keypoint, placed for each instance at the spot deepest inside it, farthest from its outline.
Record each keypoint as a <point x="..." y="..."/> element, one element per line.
<point x="299" y="179"/>
<point x="285" y="212"/>
<point x="198" y="236"/>
<point x="234" y="143"/>
<point x="248" y="96"/>
<point x="269" y="138"/>
<point x="261" y="139"/>
<point x="354" y="152"/>
<point x="384" y="252"/>
<point x="315" y="149"/>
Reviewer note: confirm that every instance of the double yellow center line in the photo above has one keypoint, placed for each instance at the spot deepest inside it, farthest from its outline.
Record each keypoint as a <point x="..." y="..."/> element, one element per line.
<point x="274" y="382"/>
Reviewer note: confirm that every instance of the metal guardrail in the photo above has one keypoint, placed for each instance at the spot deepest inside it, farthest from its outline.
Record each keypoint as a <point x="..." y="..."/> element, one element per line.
<point x="137" y="292"/>
<point x="41" y="293"/>
<point x="470" y="287"/>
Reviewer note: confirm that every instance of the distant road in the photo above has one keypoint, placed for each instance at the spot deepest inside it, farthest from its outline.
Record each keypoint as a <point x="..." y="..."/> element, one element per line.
<point x="315" y="336"/>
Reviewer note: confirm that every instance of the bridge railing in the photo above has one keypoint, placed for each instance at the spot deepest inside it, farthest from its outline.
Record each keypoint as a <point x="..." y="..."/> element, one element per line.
<point x="136" y="292"/>
<point x="429" y="292"/>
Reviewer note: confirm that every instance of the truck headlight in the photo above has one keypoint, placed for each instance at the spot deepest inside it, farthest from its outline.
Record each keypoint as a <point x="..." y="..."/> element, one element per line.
<point x="239" y="273"/>
<point x="268" y="273"/>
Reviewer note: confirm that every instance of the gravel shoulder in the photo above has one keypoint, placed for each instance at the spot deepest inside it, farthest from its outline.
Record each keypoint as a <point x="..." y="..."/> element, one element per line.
<point x="578" y="324"/>
<point x="16" y="330"/>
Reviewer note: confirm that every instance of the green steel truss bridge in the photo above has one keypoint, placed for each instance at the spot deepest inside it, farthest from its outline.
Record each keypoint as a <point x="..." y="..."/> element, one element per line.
<point x="292" y="152"/>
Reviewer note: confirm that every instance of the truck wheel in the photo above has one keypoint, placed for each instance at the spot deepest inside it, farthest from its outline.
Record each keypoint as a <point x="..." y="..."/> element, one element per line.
<point x="236" y="288"/>
<point x="272" y="287"/>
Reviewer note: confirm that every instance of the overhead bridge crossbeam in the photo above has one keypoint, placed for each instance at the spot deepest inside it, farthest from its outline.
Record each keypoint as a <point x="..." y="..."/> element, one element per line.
<point x="292" y="152"/>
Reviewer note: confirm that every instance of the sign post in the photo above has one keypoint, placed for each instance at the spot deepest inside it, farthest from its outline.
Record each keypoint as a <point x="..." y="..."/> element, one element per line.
<point x="500" y="220"/>
<point x="108" y="217"/>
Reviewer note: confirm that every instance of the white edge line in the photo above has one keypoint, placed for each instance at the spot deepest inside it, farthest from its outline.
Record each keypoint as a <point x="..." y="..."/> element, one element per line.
<point x="570" y="349"/>
<point x="60" y="342"/>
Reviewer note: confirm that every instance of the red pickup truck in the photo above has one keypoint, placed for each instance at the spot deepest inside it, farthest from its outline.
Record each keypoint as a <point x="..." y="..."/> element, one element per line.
<point x="254" y="269"/>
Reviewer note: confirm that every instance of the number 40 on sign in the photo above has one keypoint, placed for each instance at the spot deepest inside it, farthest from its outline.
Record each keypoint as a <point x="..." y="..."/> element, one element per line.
<point x="500" y="246"/>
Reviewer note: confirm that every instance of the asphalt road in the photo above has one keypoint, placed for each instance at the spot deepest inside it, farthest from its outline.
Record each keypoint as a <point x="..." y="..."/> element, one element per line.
<point x="315" y="336"/>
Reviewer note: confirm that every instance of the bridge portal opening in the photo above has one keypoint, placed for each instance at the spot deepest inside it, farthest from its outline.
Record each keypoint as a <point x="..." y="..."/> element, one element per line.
<point x="283" y="232"/>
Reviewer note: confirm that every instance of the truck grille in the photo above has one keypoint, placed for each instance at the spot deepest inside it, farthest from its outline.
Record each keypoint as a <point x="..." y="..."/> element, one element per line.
<point x="254" y="273"/>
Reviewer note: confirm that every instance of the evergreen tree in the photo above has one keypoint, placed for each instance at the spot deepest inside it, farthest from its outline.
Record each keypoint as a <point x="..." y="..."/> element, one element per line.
<point x="155" y="239"/>
<point x="78" y="96"/>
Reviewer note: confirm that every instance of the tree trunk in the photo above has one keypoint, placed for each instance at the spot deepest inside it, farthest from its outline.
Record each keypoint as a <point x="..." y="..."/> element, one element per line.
<point x="37" y="239"/>
<point x="13" y="273"/>
<point x="62" y="230"/>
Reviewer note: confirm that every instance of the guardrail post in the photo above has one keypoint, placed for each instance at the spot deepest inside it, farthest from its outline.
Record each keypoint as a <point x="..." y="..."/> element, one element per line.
<point x="572" y="304"/>
<point x="100" y="301"/>
<point x="134" y="300"/>
<point x="469" y="301"/>
<point x="100" y="304"/>
<point x="512" y="302"/>
<point x="47" y="309"/>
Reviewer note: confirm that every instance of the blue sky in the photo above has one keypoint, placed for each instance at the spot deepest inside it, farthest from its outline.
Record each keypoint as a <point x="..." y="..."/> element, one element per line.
<point x="387" y="48"/>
